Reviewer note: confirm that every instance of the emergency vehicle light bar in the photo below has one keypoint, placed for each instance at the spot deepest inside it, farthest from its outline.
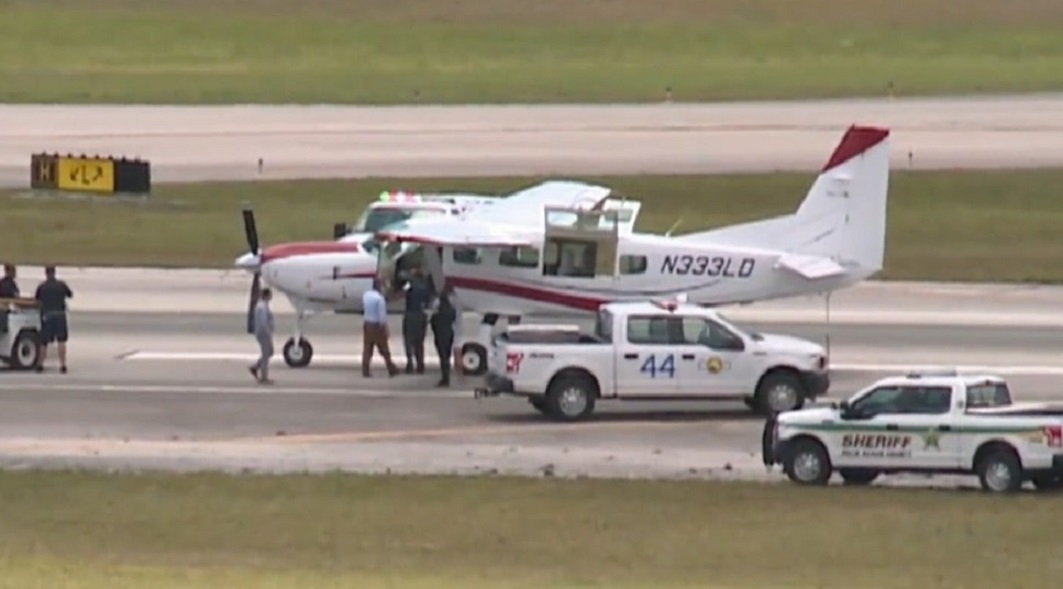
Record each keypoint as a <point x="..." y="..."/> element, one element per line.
<point x="933" y="372"/>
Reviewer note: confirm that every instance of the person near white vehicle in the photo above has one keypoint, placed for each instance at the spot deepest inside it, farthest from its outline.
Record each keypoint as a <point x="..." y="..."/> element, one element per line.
<point x="930" y="423"/>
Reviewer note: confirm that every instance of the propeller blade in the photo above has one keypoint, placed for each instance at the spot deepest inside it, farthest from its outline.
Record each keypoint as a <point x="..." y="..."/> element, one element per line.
<point x="250" y="230"/>
<point x="256" y="289"/>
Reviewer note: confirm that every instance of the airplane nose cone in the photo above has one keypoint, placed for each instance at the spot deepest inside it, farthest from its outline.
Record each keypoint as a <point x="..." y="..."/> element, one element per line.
<point x="248" y="261"/>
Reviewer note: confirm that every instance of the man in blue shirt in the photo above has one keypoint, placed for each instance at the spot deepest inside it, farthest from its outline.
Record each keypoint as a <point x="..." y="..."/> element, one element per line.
<point x="375" y="329"/>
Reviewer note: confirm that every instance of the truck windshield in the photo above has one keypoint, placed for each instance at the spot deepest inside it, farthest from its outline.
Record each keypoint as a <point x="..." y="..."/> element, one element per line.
<point x="603" y="327"/>
<point x="990" y="394"/>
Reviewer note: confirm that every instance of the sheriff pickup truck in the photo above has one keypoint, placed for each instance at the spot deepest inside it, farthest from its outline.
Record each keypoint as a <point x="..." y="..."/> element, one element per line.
<point x="651" y="352"/>
<point x="931" y="422"/>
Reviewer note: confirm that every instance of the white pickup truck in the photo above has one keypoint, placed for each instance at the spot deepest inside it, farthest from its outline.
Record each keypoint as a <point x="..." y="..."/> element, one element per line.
<point x="933" y="423"/>
<point x="652" y="352"/>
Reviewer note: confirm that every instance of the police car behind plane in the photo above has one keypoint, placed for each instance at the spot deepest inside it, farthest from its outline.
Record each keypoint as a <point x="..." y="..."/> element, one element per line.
<point x="939" y="422"/>
<point x="646" y="351"/>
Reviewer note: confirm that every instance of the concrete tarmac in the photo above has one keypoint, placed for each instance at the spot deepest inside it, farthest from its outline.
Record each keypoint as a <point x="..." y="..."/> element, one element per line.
<point x="227" y="142"/>
<point x="122" y="407"/>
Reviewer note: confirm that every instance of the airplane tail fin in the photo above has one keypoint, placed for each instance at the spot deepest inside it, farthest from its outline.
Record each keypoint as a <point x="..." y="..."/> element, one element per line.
<point x="844" y="214"/>
<point x="841" y="224"/>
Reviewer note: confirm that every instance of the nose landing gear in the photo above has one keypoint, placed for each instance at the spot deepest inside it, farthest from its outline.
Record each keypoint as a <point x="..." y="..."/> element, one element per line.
<point x="298" y="352"/>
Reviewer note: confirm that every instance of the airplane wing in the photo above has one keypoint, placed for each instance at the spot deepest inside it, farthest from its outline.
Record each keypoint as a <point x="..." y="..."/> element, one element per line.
<point x="811" y="267"/>
<point x="457" y="232"/>
<point x="529" y="202"/>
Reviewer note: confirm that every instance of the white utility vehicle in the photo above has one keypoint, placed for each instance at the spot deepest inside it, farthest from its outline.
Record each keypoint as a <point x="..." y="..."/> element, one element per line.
<point x="20" y="333"/>
<point x="651" y="351"/>
<point x="936" y="422"/>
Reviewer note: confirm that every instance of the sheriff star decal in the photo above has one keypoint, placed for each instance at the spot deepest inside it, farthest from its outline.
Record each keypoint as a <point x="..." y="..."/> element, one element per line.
<point x="715" y="365"/>
<point x="931" y="439"/>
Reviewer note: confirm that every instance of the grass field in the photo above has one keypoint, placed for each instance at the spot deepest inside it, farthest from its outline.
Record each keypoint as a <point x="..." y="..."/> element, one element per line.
<point x="476" y="51"/>
<point x="67" y="530"/>
<point x="972" y="225"/>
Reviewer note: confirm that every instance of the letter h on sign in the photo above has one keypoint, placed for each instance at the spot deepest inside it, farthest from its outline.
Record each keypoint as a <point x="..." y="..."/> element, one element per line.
<point x="43" y="171"/>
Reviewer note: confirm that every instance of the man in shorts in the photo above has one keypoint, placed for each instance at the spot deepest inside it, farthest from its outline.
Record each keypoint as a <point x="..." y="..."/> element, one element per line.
<point x="52" y="295"/>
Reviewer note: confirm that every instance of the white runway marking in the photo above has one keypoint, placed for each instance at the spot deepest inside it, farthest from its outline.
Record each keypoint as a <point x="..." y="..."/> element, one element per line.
<point x="347" y="359"/>
<point x="277" y="389"/>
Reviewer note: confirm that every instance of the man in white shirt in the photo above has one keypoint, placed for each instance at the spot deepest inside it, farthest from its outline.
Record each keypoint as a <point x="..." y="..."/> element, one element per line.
<point x="375" y="329"/>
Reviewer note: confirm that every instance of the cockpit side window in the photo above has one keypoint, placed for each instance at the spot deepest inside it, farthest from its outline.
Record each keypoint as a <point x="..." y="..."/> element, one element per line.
<point x="467" y="255"/>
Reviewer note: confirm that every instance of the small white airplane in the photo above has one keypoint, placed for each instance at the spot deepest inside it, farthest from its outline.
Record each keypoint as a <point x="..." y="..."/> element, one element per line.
<point x="564" y="248"/>
<point x="321" y="276"/>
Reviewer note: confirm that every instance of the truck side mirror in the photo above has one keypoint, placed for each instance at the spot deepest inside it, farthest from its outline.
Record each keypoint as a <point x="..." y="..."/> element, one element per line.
<point x="845" y="410"/>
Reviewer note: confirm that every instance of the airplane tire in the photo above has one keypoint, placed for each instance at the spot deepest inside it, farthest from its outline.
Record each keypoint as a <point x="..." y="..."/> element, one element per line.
<point x="297" y="354"/>
<point x="473" y="359"/>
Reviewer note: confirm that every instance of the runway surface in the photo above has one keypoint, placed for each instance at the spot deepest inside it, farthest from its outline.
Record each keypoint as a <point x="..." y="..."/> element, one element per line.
<point x="167" y="387"/>
<point x="226" y="142"/>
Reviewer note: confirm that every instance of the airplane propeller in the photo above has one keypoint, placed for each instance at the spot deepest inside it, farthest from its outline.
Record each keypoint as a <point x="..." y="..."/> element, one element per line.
<point x="251" y="232"/>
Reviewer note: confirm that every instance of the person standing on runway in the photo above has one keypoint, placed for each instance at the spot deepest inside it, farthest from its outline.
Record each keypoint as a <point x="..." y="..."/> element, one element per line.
<point x="443" y="333"/>
<point x="52" y="295"/>
<point x="375" y="329"/>
<point x="8" y="285"/>
<point x="264" y="335"/>
<point x="415" y="320"/>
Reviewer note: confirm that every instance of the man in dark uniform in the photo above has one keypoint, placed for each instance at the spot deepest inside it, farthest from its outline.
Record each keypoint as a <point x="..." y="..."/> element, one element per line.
<point x="8" y="290"/>
<point x="8" y="286"/>
<point x="52" y="295"/>
<point x="443" y="332"/>
<point x="415" y="319"/>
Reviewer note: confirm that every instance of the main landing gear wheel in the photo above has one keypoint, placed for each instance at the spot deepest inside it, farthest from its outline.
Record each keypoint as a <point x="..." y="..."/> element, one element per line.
<point x="473" y="359"/>
<point x="297" y="353"/>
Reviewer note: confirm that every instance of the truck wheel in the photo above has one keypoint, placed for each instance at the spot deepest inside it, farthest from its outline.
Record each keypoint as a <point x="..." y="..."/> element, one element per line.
<point x="1000" y="472"/>
<point x="778" y="392"/>
<point x="570" y="398"/>
<point x="26" y="351"/>
<point x="1048" y="482"/>
<point x="858" y="476"/>
<point x="473" y="359"/>
<point x="297" y="354"/>
<point x="807" y="463"/>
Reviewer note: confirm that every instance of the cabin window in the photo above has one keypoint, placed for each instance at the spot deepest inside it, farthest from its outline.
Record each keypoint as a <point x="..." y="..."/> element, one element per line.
<point x="630" y="264"/>
<point x="650" y="330"/>
<point x="519" y="257"/>
<point x="467" y="255"/>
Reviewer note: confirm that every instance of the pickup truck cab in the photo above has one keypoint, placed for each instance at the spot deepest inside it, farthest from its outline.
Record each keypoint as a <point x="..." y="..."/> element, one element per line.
<point x="652" y="352"/>
<point x="934" y="423"/>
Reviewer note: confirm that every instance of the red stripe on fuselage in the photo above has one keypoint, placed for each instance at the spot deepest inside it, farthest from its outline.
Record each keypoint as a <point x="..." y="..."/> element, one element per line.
<point x="304" y="248"/>
<point x="583" y="303"/>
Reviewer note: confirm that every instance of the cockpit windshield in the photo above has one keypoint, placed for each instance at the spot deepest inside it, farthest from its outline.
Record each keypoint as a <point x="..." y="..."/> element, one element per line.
<point x="376" y="218"/>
